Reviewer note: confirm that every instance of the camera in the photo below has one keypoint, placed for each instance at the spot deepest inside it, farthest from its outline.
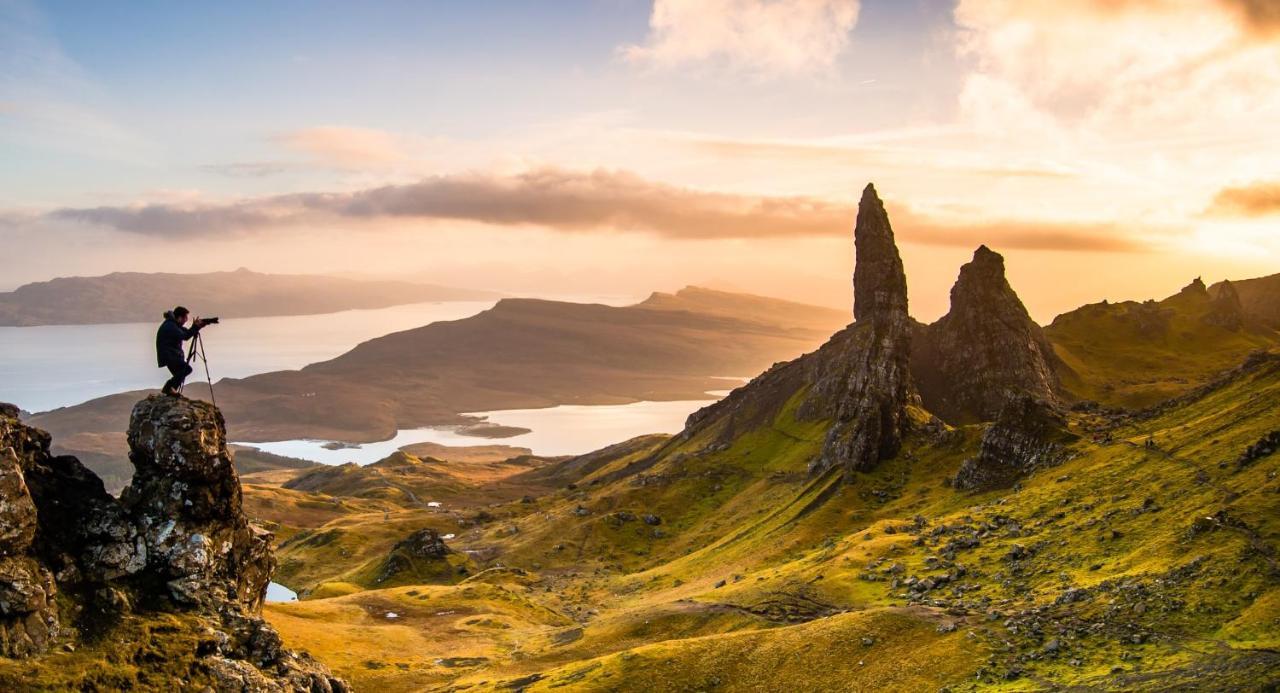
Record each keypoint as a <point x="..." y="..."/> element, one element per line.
<point x="208" y="321"/>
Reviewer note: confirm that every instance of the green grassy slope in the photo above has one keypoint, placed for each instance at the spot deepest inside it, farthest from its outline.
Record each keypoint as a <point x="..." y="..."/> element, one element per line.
<point x="1134" y="354"/>
<point x="1131" y="566"/>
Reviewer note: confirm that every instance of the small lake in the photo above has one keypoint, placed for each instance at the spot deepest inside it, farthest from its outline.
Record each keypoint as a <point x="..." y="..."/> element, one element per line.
<point x="52" y="366"/>
<point x="561" y="430"/>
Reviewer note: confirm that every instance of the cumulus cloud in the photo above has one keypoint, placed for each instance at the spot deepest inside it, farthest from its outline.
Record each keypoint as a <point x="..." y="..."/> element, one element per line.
<point x="1141" y="67"/>
<point x="579" y="202"/>
<point x="758" y="36"/>
<point x="1252" y="200"/>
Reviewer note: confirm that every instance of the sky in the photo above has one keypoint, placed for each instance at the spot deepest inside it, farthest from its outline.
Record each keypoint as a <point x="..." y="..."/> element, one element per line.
<point x="1110" y="149"/>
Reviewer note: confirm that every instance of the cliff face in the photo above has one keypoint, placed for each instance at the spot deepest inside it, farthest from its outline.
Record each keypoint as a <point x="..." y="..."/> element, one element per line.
<point x="175" y="542"/>
<point x="986" y="352"/>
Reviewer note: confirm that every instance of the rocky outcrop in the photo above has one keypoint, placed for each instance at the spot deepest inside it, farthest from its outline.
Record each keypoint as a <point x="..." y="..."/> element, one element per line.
<point x="185" y="500"/>
<point x="421" y="557"/>
<point x="1225" y="309"/>
<point x="985" y="352"/>
<point x="176" y="541"/>
<point x="29" y="620"/>
<point x="1028" y="435"/>
<point x="879" y="282"/>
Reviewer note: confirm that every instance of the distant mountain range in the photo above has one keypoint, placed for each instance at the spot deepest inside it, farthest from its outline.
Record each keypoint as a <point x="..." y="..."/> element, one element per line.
<point x="141" y="297"/>
<point x="522" y="353"/>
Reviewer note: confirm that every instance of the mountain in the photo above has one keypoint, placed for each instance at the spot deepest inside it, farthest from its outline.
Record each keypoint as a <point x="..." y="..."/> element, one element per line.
<point x="140" y="297"/>
<point x="522" y="353"/>
<point x="161" y="586"/>
<point x="821" y="528"/>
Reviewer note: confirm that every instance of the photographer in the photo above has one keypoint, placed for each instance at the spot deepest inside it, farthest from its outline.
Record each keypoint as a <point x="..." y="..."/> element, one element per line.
<point x="169" y="338"/>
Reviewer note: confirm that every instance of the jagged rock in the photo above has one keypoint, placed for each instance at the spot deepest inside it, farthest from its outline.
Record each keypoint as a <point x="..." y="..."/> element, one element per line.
<point x="879" y="282"/>
<point x="185" y="497"/>
<point x="865" y="385"/>
<point x="986" y="351"/>
<point x="1225" y="309"/>
<point x="1028" y="435"/>
<point x="17" y="510"/>
<point x="29" y="620"/>
<point x="176" y="539"/>
<point x="86" y="535"/>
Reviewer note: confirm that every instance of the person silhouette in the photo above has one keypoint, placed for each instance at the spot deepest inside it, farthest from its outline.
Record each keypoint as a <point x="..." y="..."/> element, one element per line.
<point x="169" y="338"/>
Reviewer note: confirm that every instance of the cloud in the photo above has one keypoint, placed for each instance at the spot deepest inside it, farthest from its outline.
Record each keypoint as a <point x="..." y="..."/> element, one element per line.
<point x="1015" y="234"/>
<point x="1253" y="200"/>
<point x="347" y="147"/>
<point x="875" y="155"/>
<point x="1260" y="17"/>
<point x="759" y="36"/>
<point x="582" y="202"/>
<point x="1145" y="67"/>
<point x="250" y="169"/>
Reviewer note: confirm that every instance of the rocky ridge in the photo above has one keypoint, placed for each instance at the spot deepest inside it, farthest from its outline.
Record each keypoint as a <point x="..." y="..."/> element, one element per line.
<point x="984" y="355"/>
<point x="175" y="542"/>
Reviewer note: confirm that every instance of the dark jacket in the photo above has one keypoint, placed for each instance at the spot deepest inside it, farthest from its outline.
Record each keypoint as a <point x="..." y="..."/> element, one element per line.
<point x="169" y="339"/>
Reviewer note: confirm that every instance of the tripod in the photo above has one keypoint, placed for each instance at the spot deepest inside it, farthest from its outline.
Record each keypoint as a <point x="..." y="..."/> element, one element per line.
<point x="197" y="349"/>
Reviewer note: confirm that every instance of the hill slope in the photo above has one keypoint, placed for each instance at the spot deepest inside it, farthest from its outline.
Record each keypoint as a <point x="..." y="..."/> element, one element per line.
<point x="1133" y="354"/>
<point x="141" y="297"/>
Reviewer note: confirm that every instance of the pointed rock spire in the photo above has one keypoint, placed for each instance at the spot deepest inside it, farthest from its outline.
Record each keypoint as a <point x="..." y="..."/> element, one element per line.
<point x="864" y="381"/>
<point x="879" y="283"/>
<point x="986" y="351"/>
